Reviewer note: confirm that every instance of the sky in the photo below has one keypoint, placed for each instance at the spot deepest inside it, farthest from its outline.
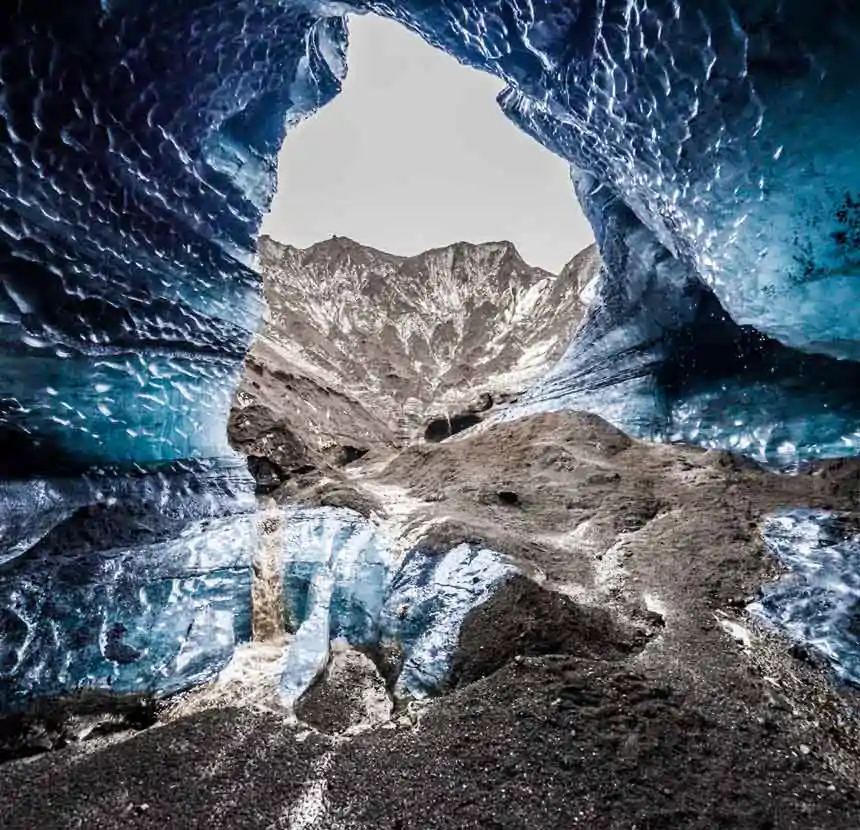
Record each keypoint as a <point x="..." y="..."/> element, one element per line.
<point x="416" y="154"/>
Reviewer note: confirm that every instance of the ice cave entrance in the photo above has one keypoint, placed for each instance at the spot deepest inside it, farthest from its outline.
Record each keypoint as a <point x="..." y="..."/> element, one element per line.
<point x="415" y="154"/>
<point x="715" y="150"/>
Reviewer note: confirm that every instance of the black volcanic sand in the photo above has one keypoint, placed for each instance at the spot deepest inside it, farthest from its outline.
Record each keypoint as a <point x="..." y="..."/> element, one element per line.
<point x="57" y="723"/>
<point x="523" y="620"/>
<point x="621" y="703"/>
<point x="342" y="696"/>
<point x="552" y="742"/>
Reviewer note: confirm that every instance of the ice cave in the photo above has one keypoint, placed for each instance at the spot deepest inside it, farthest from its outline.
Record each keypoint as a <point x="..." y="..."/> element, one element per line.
<point x="712" y="143"/>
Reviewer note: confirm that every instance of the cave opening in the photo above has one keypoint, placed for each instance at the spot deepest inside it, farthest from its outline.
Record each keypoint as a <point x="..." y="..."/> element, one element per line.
<point x="138" y="145"/>
<point x="414" y="154"/>
<point x="421" y="253"/>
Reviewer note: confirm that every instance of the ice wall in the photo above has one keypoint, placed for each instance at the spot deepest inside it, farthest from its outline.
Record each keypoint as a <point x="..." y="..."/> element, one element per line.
<point x="343" y="582"/>
<point x="659" y="357"/>
<point x="137" y="154"/>
<point x="135" y="583"/>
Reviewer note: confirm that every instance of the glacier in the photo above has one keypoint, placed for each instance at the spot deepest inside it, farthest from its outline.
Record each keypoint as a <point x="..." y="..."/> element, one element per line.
<point x="343" y="580"/>
<point x="336" y="572"/>
<point x="129" y="584"/>
<point x="658" y="356"/>
<point x="711" y="142"/>
<point x="429" y="599"/>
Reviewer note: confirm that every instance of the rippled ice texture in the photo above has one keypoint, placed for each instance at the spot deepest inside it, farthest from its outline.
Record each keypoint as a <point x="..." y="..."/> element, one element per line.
<point x="659" y="357"/>
<point x="128" y="584"/>
<point x="712" y="143"/>
<point x="137" y="154"/>
<point x="818" y="601"/>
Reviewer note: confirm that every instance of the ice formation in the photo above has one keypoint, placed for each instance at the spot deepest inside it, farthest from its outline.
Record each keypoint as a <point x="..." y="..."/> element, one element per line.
<point x="342" y="582"/>
<point x="429" y="599"/>
<point x="818" y="601"/>
<point x="712" y="142"/>
<point x="336" y="572"/>
<point x="138" y="583"/>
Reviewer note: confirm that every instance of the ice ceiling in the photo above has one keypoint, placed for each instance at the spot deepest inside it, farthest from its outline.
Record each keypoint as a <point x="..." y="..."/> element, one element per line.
<point x="712" y="143"/>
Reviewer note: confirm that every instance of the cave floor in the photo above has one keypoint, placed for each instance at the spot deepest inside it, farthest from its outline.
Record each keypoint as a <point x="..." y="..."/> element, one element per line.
<point x="552" y="742"/>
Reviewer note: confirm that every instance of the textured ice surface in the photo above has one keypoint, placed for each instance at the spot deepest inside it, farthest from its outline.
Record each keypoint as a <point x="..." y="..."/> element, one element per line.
<point x="128" y="585"/>
<point x="335" y="557"/>
<point x="429" y="598"/>
<point x="336" y="573"/>
<point x="340" y="582"/>
<point x="713" y="147"/>
<point x="713" y="144"/>
<point x="659" y="357"/>
<point x="137" y="153"/>
<point x="137" y="147"/>
<point x="818" y="601"/>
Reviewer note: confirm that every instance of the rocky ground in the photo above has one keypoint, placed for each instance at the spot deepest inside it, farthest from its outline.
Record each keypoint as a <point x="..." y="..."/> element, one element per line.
<point x="362" y="349"/>
<point x="621" y="685"/>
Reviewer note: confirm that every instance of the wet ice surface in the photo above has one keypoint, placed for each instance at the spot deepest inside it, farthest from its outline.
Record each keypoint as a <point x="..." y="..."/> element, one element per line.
<point x="429" y="599"/>
<point x="156" y="618"/>
<point x="166" y="613"/>
<point x="335" y="557"/>
<point x="126" y="583"/>
<point x="719" y="139"/>
<point x="137" y="156"/>
<point x="342" y="582"/>
<point x="818" y="601"/>
<point x="335" y="575"/>
<point x="657" y="356"/>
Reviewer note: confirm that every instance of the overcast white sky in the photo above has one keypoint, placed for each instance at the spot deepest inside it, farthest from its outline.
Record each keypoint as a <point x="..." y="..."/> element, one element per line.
<point x="415" y="154"/>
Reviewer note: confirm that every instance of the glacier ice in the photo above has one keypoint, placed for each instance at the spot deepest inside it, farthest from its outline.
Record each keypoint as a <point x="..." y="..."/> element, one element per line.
<point x="138" y="148"/>
<point x="343" y="582"/>
<point x="335" y="557"/>
<point x="336" y="572"/>
<point x="818" y="601"/>
<point x="137" y="154"/>
<point x="712" y="143"/>
<point x="659" y="357"/>
<point x="130" y="585"/>
<point x="429" y="599"/>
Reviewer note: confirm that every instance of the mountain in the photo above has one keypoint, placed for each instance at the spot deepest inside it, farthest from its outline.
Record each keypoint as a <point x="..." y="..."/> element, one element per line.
<point x="362" y="348"/>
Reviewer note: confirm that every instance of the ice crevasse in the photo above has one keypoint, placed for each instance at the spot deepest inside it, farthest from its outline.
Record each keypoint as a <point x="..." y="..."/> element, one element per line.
<point x="711" y="142"/>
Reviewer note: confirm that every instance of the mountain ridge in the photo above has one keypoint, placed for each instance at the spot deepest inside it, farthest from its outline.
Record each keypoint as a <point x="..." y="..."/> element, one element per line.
<point x="363" y="348"/>
<point x="347" y="241"/>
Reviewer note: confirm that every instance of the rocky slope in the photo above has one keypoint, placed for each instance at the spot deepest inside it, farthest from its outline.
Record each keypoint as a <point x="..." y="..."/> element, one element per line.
<point x="619" y="682"/>
<point x="362" y="348"/>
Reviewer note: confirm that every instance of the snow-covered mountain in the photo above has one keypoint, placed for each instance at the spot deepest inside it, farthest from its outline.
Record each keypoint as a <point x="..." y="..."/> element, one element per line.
<point x="362" y="347"/>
